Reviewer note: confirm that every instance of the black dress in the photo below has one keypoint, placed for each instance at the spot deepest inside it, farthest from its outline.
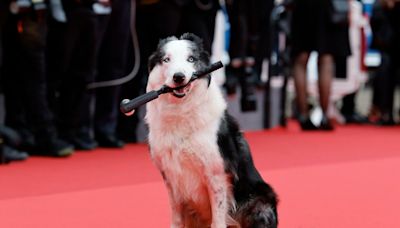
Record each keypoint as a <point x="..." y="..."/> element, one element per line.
<point x="312" y="29"/>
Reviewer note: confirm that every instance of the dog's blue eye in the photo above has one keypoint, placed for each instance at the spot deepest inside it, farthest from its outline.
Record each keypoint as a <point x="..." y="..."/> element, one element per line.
<point x="191" y="59"/>
<point x="166" y="59"/>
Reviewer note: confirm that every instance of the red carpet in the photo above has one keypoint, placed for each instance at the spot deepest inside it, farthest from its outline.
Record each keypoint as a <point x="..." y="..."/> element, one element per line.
<point x="347" y="179"/>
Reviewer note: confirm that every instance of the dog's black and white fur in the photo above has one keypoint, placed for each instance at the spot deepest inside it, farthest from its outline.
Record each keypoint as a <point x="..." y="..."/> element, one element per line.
<point x="198" y="148"/>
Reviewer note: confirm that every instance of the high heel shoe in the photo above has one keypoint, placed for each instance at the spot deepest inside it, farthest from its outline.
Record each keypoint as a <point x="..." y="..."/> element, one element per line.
<point x="326" y="124"/>
<point x="306" y="124"/>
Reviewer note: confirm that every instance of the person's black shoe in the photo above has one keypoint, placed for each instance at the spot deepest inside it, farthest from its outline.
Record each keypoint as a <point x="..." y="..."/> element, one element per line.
<point x="306" y="124"/>
<point x="52" y="148"/>
<point x="326" y="124"/>
<point x="128" y="138"/>
<point x="27" y="140"/>
<point x="81" y="140"/>
<point x="10" y="136"/>
<point x="109" y="141"/>
<point x="84" y="144"/>
<point x="386" y="120"/>
<point x="355" y="118"/>
<point x="10" y="154"/>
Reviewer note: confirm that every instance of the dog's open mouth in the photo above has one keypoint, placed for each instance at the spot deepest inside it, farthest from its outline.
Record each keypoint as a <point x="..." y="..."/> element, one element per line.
<point x="179" y="93"/>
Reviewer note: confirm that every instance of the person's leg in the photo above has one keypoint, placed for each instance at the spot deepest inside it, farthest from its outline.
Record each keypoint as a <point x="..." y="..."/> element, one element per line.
<point x="127" y="125"/>
<point x="388" y="90"/>
<point x="30" y="64"/>
<point x="67" y="100"/>
<point x="348" y="101"/>
<point x="325" y="75"/>
<point x="348" y="107"/>
<point x="237" y="45"/>
<point x="379" y="87"/>
<point x="80" y="59"/>
<point x="95" y="26"/>
<point x="241" y="69"/>
<point x="112" y="65"/>
<point x="54" y="58"/>
<point x="254" y="12"/>
<point x="300" y="82"/>
<point x="12" y="78"/>
<point x="349" y="111"/>
<point x="163" y="18"/>
<point x="263" y="18"/>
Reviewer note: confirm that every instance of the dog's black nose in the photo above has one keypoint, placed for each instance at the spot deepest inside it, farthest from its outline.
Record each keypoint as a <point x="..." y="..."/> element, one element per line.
<point x="178" y="78"/>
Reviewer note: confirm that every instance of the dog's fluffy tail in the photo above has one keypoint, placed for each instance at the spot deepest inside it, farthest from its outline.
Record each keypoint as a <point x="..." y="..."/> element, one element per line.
<point x="259" y="210"/>
<point x="264" y="216"/>
<point x="257" y="213"/>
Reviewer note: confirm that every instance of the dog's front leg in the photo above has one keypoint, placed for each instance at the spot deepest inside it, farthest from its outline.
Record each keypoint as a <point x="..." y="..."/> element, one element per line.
<point x="217" y="190"/>
<point x="176" y="214"/>
<point x="176" y="207"/>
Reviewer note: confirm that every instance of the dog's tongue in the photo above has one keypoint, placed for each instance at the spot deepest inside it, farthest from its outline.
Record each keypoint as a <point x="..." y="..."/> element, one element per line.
<point x="181" y="90"/>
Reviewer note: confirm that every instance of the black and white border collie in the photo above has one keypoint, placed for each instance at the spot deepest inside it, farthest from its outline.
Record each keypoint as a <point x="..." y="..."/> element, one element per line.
<point x="198" y="148"/>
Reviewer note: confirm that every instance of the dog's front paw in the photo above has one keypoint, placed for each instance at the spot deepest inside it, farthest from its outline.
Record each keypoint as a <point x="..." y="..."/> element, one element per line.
<point x="219" y="225"/>
<point x="177" y="226"/>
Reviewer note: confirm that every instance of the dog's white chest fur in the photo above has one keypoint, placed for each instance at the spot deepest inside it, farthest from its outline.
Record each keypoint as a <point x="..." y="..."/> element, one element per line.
<point x="183" y="160"/>
<point x="183" y="140"/>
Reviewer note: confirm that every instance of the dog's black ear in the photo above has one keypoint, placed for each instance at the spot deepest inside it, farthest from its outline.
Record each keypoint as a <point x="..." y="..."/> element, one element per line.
<point x="198" y="42"/>
<point x="192" y="37"/>
<point x="156" y="57"/>
<point x="153" y="60"/>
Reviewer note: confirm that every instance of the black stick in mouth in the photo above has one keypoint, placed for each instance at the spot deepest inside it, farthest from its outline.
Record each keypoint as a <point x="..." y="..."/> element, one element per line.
<point x="128" y="106"/>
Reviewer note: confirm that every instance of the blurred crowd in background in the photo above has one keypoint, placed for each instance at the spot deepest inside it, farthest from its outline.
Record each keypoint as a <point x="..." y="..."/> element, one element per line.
<point x="53" y="53"/>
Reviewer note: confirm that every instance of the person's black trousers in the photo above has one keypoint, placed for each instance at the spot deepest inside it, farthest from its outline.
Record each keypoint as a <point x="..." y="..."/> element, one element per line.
<point x="112" y="60"/>
<point x="384" y="85"/>
<point x="24" y="78"/>
<point x="79" y="61"/>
